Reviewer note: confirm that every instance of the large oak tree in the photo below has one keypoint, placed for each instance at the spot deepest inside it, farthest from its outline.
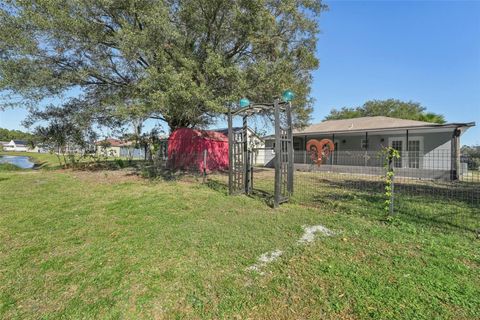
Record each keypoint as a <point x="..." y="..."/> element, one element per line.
<point x="389" y="108"/>
<point x="181" y="61"/>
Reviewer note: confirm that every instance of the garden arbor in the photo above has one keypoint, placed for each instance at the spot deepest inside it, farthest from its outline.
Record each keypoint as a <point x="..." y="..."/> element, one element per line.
<point x="240" y="178"/>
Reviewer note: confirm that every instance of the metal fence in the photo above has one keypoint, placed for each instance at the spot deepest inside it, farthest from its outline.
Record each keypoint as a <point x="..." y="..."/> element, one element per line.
<point x="199" y="165"/>
<point x="435" y="173"/>
<point x="433" y="165"/>
<point x="426" y="186"/>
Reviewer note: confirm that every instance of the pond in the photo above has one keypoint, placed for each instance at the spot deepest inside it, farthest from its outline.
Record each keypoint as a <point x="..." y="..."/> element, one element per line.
<point x="19" y="161"/>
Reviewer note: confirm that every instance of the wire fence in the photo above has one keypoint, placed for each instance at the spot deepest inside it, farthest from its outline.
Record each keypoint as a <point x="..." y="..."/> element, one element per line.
<point x="434" y="174"/>
<point x="435" y="181"/>
<point x="427" y="188"/>
<point x="174" y="165"/>
<point x="447" y="189"/>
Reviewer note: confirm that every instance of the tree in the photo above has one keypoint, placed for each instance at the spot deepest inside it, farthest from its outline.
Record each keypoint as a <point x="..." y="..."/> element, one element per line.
<point x="7" y="135"/>
<point x="66" y="133"/>
<point x="471" y="156"/>
<point x="389" y="108"/>
<point x="180" y="61"/>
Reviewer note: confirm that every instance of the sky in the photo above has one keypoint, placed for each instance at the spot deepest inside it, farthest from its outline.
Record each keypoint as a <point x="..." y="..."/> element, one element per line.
<point x="422" y="51"/>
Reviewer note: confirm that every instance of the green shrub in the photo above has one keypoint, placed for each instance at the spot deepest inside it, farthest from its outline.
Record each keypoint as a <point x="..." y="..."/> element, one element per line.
<point x="120" y="163"/>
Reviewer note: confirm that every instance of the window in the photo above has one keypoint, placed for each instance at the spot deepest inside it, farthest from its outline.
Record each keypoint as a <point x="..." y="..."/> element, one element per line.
<point x="398" y="145"/>
<point x="414" y="154"/>
<point x="297" y="145"/>
<point x="411" y="151"/>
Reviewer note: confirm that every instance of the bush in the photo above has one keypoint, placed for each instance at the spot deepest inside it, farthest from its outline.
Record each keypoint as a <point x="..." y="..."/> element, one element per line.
<point x="120" y="163"/>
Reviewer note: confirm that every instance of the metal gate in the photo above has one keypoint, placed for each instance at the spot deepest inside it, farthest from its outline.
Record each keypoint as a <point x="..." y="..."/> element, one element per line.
<point x="283" y="154"/>
<point x="241" y="158"/>
<point x="241" y="174"/>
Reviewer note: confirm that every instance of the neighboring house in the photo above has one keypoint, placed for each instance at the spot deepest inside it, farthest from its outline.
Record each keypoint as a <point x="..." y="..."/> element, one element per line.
<point x="254" y="141"/>
<point x="16" y="145"/>
<point x="433" y="149"/>
<point x="118" y="148"/>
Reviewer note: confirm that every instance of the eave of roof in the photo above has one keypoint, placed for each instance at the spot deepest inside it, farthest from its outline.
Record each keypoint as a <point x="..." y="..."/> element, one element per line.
<point x="422" y="127"/>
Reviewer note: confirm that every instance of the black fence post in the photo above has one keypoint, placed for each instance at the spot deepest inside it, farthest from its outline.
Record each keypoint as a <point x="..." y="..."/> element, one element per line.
<point x="230" y="151"/>
<point x="290" y="154"/>
<point x="246" y="154"/>
<point x="204" y="165"/>
<point x="392" y="183"/>
<point x="252" y="163"/>
<point x="278" y="156"/>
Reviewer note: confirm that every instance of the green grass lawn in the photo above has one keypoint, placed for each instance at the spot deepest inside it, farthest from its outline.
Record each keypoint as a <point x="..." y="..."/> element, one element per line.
<point x="110" y="245"/>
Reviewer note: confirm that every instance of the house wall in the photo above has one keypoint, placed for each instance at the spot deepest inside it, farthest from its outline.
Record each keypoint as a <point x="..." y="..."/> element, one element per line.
<point x="108" y="151"/>
<point x="130" y="152"/>
<point x="263" y="156"/>
<point x="254" y="141"/>
<point x="435" y="149"/>
<point x="13" y="147"/>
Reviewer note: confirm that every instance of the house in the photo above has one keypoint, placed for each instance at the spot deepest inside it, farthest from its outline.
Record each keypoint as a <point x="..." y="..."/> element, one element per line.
<point x="428" y="150"/>
<point x="254" y="142"/>
<point x="111" y="147"/>
<point x="253" y="139"/>
<point x="186" y="150"/>
<point x="16" y="145"/>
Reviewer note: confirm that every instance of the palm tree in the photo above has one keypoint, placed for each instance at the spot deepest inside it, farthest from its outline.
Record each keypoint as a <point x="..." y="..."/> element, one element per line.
<point x="432" y="117"/>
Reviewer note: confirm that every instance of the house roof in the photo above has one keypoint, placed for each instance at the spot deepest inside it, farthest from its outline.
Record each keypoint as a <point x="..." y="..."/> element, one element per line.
<point x="377" y="123"/>
<point x="114" y="142"/>
<point x="20" y="142"/>
<point x="371" y="124"/>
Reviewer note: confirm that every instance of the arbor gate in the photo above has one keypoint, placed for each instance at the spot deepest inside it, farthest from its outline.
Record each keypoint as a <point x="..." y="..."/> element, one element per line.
<point x="240" y="179"/>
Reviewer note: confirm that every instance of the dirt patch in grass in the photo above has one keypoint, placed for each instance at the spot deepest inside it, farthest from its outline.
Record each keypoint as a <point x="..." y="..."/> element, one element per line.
<point x="105" y="177"/>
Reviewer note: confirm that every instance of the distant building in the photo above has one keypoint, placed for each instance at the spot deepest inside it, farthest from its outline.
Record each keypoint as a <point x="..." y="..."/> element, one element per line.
<point x="118" y="148"/>
<point x="254" y="142"/>
<point x="253" y="139"/>
<point x="16" y="145"/>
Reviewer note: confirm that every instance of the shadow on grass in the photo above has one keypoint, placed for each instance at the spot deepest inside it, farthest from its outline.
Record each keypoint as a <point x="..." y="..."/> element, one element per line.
<point x="468" y="193"/>
<point x="422" y="205"/>
<point x="108" y="165"/>
<point x="217" y="186"/>
<point x="45" y="165"/>
<point x="258" y="194"/>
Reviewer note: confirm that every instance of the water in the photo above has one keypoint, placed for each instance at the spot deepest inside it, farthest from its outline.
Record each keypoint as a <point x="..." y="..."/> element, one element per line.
<point x="19" y="161"/>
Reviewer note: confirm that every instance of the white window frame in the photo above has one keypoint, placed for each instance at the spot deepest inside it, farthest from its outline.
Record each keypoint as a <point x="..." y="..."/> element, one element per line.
<point x="405" y="163"/>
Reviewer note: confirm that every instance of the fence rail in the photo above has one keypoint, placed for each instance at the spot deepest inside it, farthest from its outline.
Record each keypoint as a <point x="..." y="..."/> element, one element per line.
<point x="433" y="174"/>
<point x="433" y="165"/>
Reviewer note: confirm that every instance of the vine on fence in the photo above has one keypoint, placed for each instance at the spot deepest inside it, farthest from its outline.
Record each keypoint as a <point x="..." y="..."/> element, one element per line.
<point x="390" y="155"/>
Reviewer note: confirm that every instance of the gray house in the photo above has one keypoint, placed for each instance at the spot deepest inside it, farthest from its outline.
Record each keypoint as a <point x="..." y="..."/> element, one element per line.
<point x="428" y="150"/>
